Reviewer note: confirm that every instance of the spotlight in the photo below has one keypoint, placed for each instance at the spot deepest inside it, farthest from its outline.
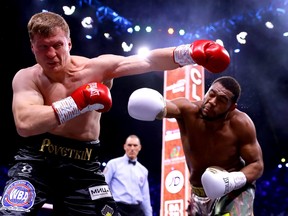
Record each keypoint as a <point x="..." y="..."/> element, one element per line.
<point x="87" y="22"/>
<point x="148" y="29"/>
<point x="170" y="31"/>
<point x="68" y="10"/>
<point x="241" y="37"/>
<point x="269" y="25"/>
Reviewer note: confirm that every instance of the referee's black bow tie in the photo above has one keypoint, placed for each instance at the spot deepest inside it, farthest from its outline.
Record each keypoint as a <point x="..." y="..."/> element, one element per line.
<point x="132" y="162"/>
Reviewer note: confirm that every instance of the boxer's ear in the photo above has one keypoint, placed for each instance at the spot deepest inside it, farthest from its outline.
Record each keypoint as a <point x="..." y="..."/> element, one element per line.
<point x="233" y="106"/>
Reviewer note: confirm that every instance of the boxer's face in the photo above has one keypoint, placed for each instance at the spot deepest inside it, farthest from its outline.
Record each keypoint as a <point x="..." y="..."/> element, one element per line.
<point x="217" y="103"/>
<point x="51" y="52"/>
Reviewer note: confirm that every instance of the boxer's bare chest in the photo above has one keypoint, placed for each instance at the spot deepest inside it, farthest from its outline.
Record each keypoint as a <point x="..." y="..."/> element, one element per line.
<point x="210" y="145"/>
<point x="58" y="88"/>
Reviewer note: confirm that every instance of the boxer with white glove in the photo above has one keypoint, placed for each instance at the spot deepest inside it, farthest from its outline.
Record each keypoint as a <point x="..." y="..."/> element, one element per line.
<point x="146" y="104"/>
<point x="91" y="96"/>
<point x="218" y="182"/>
<point x="206" y="53"/>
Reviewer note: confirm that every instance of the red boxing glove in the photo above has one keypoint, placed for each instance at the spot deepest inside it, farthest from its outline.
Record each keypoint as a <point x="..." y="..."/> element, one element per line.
<point x="206" y="53"/>
<point x="91" y="96"/>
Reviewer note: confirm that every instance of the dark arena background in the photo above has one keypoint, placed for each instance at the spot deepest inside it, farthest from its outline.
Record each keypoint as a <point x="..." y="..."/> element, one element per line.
<point x="254" y="32"/>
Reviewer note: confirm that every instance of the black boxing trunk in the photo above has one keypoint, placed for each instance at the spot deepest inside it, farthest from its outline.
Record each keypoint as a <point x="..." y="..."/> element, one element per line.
<point x="52" y="146"/>
<point x="62" y="170"/>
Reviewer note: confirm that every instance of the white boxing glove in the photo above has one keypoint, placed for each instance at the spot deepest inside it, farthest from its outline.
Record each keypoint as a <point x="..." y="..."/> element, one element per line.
<point x="146" y="104"/>
<point x="218" y="182"/>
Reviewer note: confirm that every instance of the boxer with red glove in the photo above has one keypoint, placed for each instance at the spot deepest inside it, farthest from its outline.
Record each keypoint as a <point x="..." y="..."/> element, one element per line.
<point x="91" y="96"/>
<point x="206" y="53"/>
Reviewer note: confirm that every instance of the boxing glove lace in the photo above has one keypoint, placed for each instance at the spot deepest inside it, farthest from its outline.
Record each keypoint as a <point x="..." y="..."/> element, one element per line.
<point x="206" y="53"/>
<point x="91" y="96"/>
<point x="218" y="182"/>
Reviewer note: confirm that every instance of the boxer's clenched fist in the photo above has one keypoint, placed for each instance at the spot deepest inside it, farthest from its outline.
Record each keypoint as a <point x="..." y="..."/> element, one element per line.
<point x="91" y="96"/>
<point x="146" y="104"/>
<point x="218" y="182"/>
<point x="206" y="53"/>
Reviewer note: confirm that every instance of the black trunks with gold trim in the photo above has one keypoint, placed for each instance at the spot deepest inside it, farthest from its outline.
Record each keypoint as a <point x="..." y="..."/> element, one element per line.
<point x="56" y="146"/>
